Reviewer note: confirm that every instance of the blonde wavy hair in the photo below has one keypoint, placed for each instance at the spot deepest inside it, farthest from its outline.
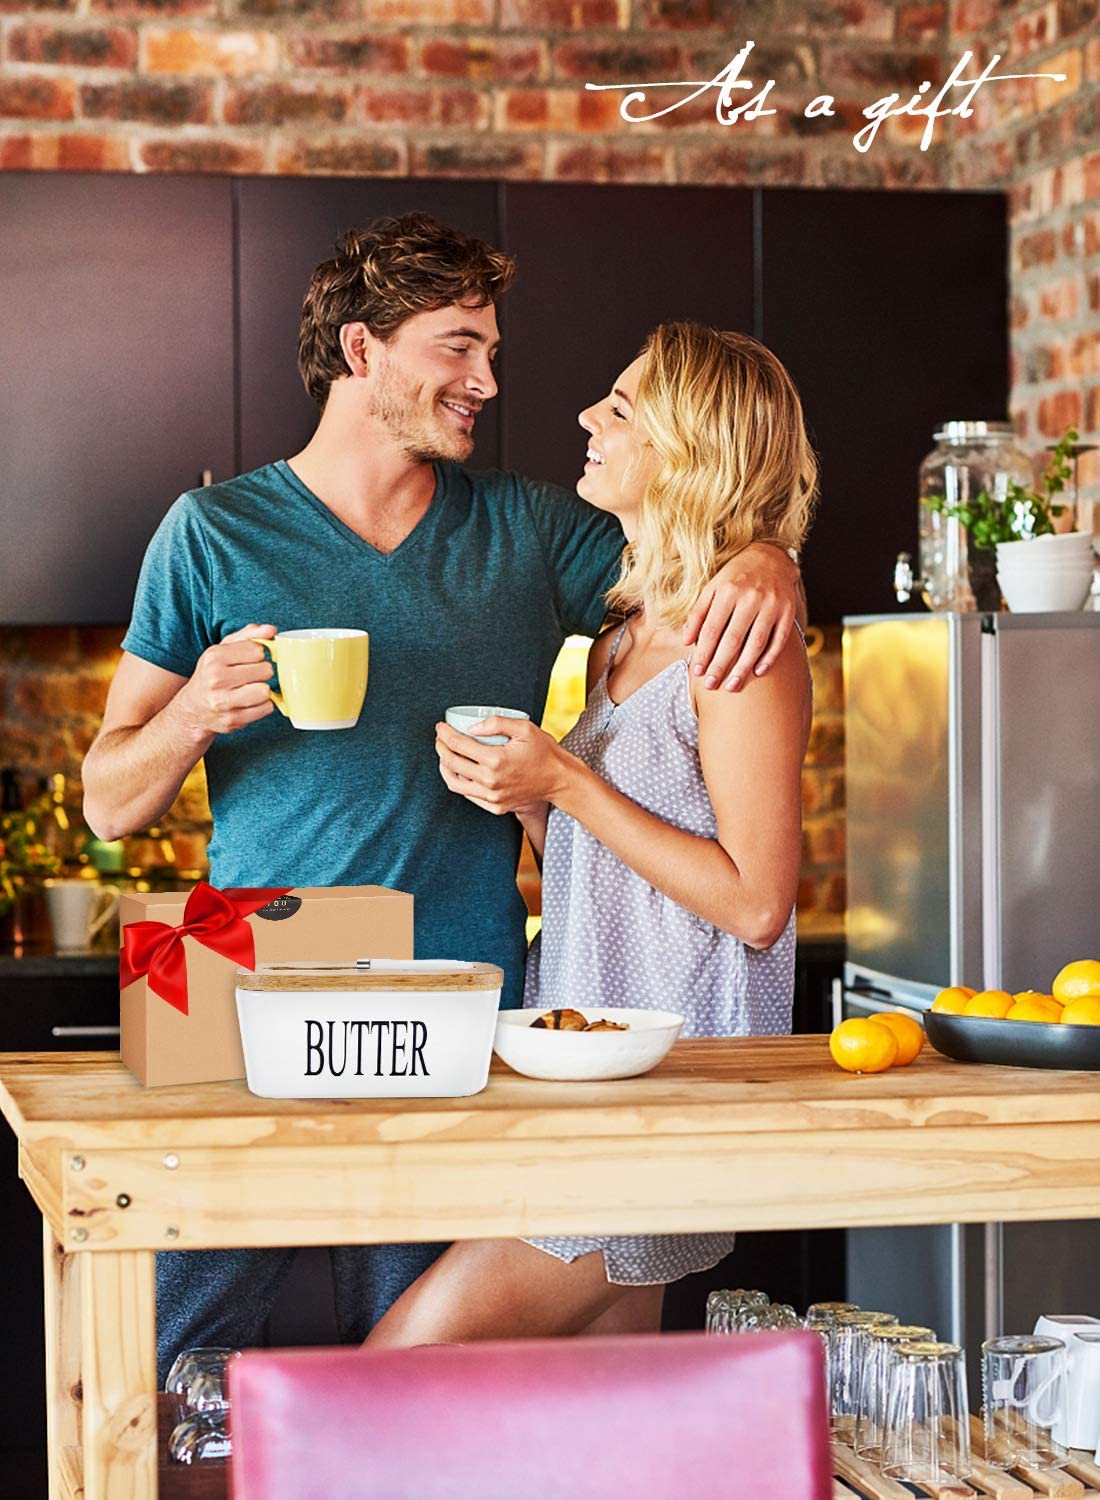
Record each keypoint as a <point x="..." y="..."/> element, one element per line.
<point x="734" y="465"/>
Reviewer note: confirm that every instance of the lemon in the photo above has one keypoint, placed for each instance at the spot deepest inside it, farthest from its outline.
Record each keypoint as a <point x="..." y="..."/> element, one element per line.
<point x="1035" y="1008"/>
<point x="953" y="999"/>
<point x="1083" y="1012"/>
<point x="996" y="1003"/>
<point x="1077" y="980"/>
<point x="860" y="1046"/>
<point x="908" y="1033"/>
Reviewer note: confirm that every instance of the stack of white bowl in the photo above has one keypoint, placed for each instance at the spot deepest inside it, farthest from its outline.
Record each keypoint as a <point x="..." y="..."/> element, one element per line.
<point x="1047" y="572"/>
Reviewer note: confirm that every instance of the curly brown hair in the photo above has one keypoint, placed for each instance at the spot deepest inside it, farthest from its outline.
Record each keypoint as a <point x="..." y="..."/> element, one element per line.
<point x="385" y="274"/>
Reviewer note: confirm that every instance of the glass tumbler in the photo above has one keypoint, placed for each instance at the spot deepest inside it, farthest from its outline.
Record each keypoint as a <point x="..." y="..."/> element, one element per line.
<point x="847" y="1349"/>
<point x="201" y="1438"/>
<point x="820" y="1317"/>
<point x="769" y="1318"/>
<point x="874" y="1383"/>
<point x="726" y="1311"/>
<point x="825" y="1312"/>
<point x="198" y="1380"/>
<point x="1023" y="1397"/>
<point x="926" y="1437"/>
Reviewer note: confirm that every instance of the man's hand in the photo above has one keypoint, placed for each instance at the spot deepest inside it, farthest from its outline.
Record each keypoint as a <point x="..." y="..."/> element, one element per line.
<point x="744" y="617"/>
<point x="228" y="688"/>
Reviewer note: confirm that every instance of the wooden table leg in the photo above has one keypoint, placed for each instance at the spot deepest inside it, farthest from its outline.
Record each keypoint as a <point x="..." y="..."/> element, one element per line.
<point x="63" y="1387"/>
<point x="118" y="1323"/>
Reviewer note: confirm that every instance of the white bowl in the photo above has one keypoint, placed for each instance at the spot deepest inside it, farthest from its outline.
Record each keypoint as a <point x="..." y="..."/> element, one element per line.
<point x="584" y="1056"/>
<point x="1047" y="549"/>
<point x="1078" y="569"/>
<point x="1042" y="593"/>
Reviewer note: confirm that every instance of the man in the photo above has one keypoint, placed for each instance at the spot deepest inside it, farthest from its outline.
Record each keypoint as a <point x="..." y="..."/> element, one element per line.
<point x="468" y="584"/>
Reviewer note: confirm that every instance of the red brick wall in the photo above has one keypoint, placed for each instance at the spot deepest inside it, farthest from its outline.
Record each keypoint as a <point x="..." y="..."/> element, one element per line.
<point x="1041" y="142"/>
<point x="454" y="87"/>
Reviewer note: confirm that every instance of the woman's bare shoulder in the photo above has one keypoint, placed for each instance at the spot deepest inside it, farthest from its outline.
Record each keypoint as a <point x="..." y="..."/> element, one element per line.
<point x="783" y="691"/>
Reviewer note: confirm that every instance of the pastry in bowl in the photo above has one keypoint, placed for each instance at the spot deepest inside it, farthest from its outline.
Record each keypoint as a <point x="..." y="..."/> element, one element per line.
<point x="615" y="1043"/>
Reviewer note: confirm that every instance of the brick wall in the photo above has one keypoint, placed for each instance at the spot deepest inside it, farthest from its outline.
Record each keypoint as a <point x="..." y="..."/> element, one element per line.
<point x="453" y="87"/>
<point x="53" y="686"/>
<point x="1041" y="142"/>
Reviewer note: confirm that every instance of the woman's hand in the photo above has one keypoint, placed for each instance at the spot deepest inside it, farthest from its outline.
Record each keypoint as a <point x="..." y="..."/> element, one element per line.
<point x="530" y="769"/>
<point x="744" y="616"/>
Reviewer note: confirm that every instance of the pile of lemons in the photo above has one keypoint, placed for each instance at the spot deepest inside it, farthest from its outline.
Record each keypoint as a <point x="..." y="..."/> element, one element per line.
<point x="893" y="1039"/>
<point x="890" y="1039"/>
<point x="1074" y="999"/>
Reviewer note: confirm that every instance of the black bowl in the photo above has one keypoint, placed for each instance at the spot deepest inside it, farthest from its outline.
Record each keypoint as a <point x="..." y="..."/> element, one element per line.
<point x="1014" y="1044"/>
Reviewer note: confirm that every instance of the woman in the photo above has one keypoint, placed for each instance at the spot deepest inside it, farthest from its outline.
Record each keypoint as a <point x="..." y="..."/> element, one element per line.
<point x="669" y="819"/>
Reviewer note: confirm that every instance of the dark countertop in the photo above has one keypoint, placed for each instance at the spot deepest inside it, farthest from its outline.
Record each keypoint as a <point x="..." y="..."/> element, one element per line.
<point x="57" y="965"/>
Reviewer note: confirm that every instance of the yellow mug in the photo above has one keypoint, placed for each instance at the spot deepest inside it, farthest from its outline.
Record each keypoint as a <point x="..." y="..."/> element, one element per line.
<point x="322" y="675"/>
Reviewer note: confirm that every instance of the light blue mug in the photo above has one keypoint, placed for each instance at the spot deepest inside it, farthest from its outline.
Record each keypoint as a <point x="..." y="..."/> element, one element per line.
<point x="462" y="717"/>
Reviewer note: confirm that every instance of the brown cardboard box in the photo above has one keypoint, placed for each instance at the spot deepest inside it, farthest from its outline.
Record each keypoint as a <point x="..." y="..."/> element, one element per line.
<point x="162" y="1045"/>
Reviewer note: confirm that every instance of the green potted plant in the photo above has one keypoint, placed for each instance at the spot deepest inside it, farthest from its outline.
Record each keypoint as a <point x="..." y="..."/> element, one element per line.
<point x="1003" y="534"/>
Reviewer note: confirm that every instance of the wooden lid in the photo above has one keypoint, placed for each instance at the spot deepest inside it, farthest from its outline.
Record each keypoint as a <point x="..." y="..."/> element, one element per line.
<point x="373" y="974"/>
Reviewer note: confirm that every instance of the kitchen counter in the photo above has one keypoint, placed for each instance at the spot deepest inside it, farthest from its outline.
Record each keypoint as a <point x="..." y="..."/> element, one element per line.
<point x="57" y="965"/>
<point x="747" y="1133"/>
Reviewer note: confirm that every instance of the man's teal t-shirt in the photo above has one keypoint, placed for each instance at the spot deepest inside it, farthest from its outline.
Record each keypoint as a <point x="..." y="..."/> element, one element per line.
<point x="471" y="608"/>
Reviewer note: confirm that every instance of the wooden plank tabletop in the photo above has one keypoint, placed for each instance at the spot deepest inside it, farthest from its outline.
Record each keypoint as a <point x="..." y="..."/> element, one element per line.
<point x="747" y="1085"/>
<point x="752" y="1133"/>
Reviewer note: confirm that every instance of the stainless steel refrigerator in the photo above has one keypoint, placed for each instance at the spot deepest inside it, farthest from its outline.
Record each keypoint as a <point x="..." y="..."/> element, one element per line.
<point x="973" y="824"/>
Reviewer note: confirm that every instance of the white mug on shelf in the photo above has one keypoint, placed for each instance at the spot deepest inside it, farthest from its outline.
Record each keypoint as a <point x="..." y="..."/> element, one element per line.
<point x="1078" y="1425"/>
<point x="78" y="910"/>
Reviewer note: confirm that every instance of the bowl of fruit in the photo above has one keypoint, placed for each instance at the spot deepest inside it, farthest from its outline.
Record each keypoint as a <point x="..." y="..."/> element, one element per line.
<point x="1030" y="1029"/>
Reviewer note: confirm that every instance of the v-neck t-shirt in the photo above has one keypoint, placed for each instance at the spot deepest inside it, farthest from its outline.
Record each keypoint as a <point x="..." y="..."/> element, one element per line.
<point x="471" y="608"/>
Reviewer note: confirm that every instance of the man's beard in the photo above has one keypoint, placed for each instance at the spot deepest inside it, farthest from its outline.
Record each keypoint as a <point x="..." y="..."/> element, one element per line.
<point x="423" y="440"/>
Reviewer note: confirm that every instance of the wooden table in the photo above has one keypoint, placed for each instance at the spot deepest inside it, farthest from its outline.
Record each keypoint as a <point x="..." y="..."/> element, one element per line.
<point x="757" y="1133"/>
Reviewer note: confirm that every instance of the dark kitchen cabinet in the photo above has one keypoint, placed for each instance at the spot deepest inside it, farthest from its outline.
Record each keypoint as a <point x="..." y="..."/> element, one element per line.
<point x="116" y="343"/>
<point x="599" y="267"/>
<point x="891" y="312"/>
<point x="150" y="333"/>
<point x="287" y="226"/>
<point x="46" y="1005"/>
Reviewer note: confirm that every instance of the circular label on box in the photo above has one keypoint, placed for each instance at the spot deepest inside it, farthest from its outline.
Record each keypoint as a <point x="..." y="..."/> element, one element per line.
<point x="281" y="908"/>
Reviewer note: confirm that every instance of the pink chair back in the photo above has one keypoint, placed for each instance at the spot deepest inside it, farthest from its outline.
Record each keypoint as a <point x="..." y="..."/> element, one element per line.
<point x="666" y="1417"/>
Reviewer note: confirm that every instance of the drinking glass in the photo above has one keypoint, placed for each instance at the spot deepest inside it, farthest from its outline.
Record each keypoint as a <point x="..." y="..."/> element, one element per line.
<point x="820" y="1317"/>
<point x="874" y="1383"/>
<point x="198" y="1381"/>
<point x="727" y="1311"/>
<point x="824" y="1313"/>
<point x="202" y="1437"/>
<point x="847" y="1348"/>
<point x="1023" y="1397"/>
<point x="768" y="1318"/>
<point x="926" y="1437"/>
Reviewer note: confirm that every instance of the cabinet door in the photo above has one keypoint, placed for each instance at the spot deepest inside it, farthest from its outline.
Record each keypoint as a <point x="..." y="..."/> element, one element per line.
<point x="599" y="267"/>
<point x="890" y="311"/>
<point x="49" y="1005"/>
<point x="287" y="226"/>
<point x="116" y="343"/>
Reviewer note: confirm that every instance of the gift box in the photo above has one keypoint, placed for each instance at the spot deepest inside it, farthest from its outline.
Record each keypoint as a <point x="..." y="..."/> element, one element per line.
<point x="180" y="952"/>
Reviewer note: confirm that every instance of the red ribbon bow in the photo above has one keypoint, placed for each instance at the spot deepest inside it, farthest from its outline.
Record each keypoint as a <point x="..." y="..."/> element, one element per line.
<point x="214" y="918"/>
